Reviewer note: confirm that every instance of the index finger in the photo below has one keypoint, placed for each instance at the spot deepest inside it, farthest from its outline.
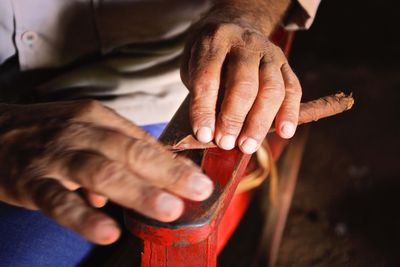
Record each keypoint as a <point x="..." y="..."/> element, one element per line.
<point x="205" y="65"/>
<point x="153" y="164"/>
<point x="97" y="114"/>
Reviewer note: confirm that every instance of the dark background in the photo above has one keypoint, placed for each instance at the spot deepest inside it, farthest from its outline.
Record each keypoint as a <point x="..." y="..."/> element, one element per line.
<point x="347" y="204"/>
<point x="346" y="207"/>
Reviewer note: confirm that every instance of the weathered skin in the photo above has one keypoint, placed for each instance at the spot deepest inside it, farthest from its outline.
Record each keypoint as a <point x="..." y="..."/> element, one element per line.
<point x="47" y="150"/>
<point x="230" y="49"/>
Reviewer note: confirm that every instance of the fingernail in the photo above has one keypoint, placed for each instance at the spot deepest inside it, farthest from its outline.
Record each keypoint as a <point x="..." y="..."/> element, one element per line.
<point x="287" y="129"/>
<point x="200" y="185"/>
<point x="204" y="134"/>
<point x="99" y="201"/>
<point x="227" y="142"/>
<point x="249" y="146"/>
<point x="169" y="206"/>
<point x="109" y="232"/>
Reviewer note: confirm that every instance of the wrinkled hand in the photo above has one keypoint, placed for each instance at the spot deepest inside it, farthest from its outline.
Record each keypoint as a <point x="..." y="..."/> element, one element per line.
<point x="48" y="150"/>
<point x="259" y="86"/>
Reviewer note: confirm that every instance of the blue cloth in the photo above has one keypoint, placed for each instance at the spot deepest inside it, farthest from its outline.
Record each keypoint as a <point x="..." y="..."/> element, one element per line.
<point x="155" y="129"/>
<point x="31" y="239"/>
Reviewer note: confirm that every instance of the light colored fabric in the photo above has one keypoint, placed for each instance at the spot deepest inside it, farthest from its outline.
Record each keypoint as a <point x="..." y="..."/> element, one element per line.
<point x="142" y="82"/>
<point x="7" y="48"/>
<point x="124" y="22"/>
<point x="144" y="97"/>
<point x="50" y="33"/>
<point x="143" y="40"/>
<point x="303" y="14"/>
<point x="153" y="107"/>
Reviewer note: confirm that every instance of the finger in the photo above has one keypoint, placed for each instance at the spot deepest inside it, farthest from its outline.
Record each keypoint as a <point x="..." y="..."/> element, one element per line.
<point x="69" y="210"/>
<point x="288" y="114"/>
<point x="96" y="200"/>
<point x="111" y="179"/>
<point x="241" y="88"/>
<point x="152" y="164"/>
<point x="205" y="66"/>
<point x="100" y="115"/>
<point x="70" y="185"/>
<point x="269" y="98"/>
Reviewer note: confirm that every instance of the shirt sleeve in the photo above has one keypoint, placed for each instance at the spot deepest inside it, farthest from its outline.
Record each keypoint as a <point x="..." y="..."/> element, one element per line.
<point x="301" y="14"/>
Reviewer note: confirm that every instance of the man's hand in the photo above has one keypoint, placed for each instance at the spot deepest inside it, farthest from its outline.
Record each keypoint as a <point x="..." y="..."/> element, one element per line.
<point x="229" y="50"/>
<point x="48" y="150"/>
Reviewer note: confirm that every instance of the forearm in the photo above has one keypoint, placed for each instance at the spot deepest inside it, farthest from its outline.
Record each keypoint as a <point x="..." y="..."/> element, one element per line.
<point x="262" y="15"/>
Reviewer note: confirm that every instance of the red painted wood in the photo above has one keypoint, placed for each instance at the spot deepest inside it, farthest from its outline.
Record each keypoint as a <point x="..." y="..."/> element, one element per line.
<point x="232" y="218"/>
<point x="241" y="201"/>
<point x="198" y="254"/>
<point x="179" y="237"/>
<point x="192" y="240"/>
<point x="204" y="228"/>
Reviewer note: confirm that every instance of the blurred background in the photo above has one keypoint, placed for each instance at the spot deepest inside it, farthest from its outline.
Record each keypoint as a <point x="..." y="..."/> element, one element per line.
<point x="345" y="211"/>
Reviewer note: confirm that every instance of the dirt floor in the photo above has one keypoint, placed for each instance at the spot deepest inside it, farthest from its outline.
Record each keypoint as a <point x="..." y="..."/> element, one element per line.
<point x="345" y="210"/>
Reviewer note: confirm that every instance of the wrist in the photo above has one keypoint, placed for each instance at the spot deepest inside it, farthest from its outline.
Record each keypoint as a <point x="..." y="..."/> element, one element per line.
<point x="262" y="16"/>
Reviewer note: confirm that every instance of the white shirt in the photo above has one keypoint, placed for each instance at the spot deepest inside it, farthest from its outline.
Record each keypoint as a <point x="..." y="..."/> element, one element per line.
<point x="142" y="81"/>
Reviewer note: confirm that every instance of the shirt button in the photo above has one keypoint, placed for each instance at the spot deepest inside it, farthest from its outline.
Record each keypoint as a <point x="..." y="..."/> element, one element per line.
<point x="29" y="37"/>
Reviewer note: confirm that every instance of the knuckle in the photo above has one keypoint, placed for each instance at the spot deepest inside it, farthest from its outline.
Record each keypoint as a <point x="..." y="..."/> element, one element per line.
<point x="93" y="104"/>
<point x="273" y="53"/>
<point x="205" y="88"/>
<point x="140" y="196"/>
<point x="55" y="201"/>
<point x="294" y="91"/>
<point x="220" y="30"/>
<point x="273" y="89"/>
<point x="200" y="75"/>
<point x="231" y="122"/>
<point x="139" y="152"/>
<point x="90" y="105"/>
<point x="210" y="46"/>
<point x="256" y="130"/>
<point x="143" y="196"/>
<point x="293" y="86"/>
<point x="244" y="89"/>
<point x="252" y="39"/>
<point x="177" y="172"/>
<point x="75" y="129"/>
<point x="40" y="193"/>
<point x="70" y="135"/>
<point x="202" y="107"/>
<point x="213" y="37"/>
<point x="279" y="52"/>
<point x="108" y="172"/>
<point x="62" y="203"/>
<point x="142" y="155"/>
<point x="202" y="115"/>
